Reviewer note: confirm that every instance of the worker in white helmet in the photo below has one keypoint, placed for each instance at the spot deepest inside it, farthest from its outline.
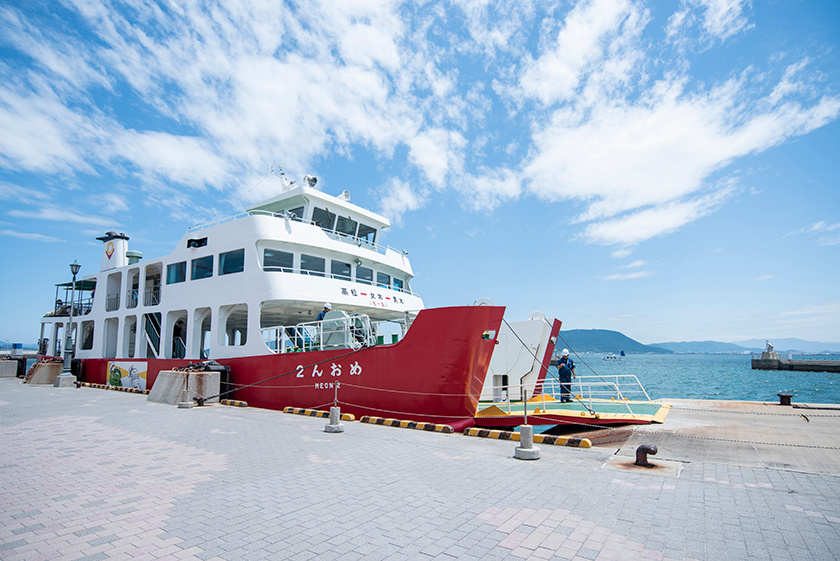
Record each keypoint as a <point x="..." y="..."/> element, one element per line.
<point x="327" y="308"/>
<point x="566" y="369"/>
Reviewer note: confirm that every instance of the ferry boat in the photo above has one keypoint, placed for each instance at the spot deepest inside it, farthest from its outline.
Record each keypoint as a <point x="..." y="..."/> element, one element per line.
<point x="245" y="291"/>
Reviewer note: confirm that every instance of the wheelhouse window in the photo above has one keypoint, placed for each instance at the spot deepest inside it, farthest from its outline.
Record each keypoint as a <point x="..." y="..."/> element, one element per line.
<point x="176" y="272"/>
<point x="232" y="262"/>
<point x="346" y="226"/>
<point x="340" y="270"/>
<point x="364" y="275"/>
<point x="296" y="213"/>
<point x="202" y="268"/>
<point x="398" y="285"/>
<point x="383" y="280"/>
<point x="275" y="260"/>
<point x="367" y="234"/>
<point x="311" y="265"/>
<point x="323" y="218"/>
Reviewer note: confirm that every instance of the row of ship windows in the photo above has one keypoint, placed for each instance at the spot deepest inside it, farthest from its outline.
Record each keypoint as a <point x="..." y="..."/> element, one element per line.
<point x="275" y="260"/>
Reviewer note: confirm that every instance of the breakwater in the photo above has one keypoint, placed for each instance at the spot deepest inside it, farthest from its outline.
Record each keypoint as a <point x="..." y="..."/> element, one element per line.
<point x="800" y="365"/>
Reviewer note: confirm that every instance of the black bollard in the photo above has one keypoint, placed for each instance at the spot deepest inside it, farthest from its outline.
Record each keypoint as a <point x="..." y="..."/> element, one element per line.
<point x="641" y="455"/>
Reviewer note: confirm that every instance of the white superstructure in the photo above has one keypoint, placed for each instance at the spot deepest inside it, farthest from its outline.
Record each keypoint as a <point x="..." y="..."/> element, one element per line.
<point x="238" y="286"/>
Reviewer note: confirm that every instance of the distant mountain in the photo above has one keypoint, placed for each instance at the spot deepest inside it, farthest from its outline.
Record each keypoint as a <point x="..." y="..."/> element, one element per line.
<point x="703" y="347"/>
<point x="753" y="345"/>
<point x="603" y="341"/>
<point x="789" y="345"/>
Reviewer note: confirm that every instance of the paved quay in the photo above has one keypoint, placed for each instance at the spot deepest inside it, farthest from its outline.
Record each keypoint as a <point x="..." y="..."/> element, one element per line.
<point x="91" y="474"/>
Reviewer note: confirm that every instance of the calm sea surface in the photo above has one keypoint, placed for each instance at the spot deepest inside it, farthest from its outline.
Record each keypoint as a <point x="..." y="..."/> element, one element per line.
<point x="714" y="377"/>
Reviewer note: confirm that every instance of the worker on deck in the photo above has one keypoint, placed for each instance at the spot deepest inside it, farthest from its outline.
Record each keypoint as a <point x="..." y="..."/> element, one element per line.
<point x="566" y="369"/>
<point x="327" y="308"/>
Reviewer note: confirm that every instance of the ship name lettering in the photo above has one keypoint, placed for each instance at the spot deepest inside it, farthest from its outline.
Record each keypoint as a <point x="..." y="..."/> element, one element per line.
<point x="324" y="385"/>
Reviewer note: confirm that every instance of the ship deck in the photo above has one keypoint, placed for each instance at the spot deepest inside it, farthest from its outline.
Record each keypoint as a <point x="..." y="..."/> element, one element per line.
<point x="545" y="410"/>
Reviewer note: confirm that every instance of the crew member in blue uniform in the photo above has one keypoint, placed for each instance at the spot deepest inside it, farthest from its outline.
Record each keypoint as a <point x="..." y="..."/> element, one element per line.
<point x="327" y="308"/>
<point x="567" y="372"/>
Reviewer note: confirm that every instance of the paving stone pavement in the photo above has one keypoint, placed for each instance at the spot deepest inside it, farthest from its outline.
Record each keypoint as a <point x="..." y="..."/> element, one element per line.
<point x="89" y="474"/>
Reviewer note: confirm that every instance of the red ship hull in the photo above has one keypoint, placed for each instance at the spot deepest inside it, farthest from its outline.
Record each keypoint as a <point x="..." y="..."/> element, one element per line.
<point x="434" y="374"/>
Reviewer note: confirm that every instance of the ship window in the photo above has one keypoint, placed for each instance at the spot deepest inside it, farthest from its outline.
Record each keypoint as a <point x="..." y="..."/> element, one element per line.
<point x="367" y="233"/>
<point x="346" y="226"/>
<point x="383" y="280"/>
<point x="311" y="265"/>
<point x="87" y="335"/>
<point x="323" y="218"/>
<point x="202" y="268"/>
<point x="275" y="260"/>
<point x="340" y="270"/>
<point x="232" y="262"/>
<point x="194" y="243"/>
<point x="176" y="272"/>
<point x="398" y="284"/>
<point x="297" y="213"/>
<point x="365" y="275"/>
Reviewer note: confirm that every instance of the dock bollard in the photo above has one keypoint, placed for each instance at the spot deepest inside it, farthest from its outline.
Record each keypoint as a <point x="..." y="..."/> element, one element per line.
<point x="526" y="449"/>
<point x="642" y="455"/>
<point x="185" y="400"/>
<point x="784" y="398"/>
<point x="335" y="424"/>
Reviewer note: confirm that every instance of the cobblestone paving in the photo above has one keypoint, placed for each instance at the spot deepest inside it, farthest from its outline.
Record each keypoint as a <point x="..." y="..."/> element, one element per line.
<point x="90" y="474"/>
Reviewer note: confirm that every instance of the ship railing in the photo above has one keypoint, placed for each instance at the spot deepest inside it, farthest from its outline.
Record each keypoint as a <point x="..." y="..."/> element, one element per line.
<point x="151" y="296"/>
<point x="621" y="388"/>
<point x="131" y="298"/>
<point x="112" y="302"/>
<point x="179" y="348"/>
<point x="350" y="332"/>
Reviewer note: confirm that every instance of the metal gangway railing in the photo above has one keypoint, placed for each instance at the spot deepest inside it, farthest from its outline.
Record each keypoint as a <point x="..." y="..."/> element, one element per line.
<point x="622" y="388"/>
<point x="348" y="332"/>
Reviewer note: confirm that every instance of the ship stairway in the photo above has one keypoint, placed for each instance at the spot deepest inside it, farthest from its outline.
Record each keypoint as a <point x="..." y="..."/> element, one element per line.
<point x="153" y="334"/>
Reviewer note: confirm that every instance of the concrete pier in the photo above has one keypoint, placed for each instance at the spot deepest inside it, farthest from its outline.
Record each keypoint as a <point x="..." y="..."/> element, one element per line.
<point x="93" y="474"/>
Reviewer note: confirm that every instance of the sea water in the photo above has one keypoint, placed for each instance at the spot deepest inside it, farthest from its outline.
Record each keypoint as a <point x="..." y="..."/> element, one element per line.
<point x="728" y="377"/>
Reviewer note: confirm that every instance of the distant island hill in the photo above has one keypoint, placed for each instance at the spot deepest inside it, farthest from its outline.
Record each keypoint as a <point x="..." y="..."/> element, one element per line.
<point x="606" y="341"/>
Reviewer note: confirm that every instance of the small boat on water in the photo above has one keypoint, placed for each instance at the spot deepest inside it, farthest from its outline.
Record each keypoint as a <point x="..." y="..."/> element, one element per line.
<point x="243" y="294"/>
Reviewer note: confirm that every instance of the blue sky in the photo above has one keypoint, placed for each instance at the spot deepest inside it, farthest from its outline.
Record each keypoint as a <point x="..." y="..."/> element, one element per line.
<point x="667" y="169"/>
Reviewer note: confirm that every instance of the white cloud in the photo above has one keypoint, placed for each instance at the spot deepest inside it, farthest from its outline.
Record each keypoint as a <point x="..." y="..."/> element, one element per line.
<point x="48" y="136"/>
<point x="723" y="18"/>
<point x="400" y="198"/>
<point x="656" y="221"/>
<point x="30" y="236"/>
<point x="10" y="191"/>
<point x="719" y="19"/>
<point x="583" y="40"/>
<point x="61" y="215"/>
<point x="437" y="152"/>
<point x="825" y="233"/>
<point x="486" y="192"/>
<point x="635" y="264"/>
<point x="627" y="276"/>
<point x="764" y="277"/>
<point x="186" y="160"/>
<point x="625" y="156"/>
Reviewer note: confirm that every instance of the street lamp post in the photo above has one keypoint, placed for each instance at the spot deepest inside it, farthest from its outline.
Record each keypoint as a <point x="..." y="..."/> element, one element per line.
<point x="66" y="379"/>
